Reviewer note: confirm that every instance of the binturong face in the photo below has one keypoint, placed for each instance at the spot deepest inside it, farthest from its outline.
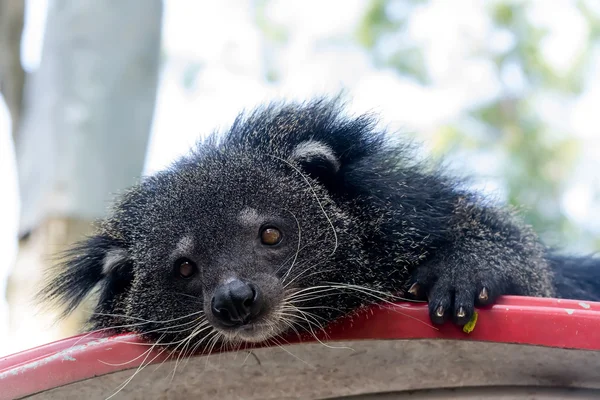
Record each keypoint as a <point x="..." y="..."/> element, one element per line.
<point x="246" y="238"/>
<point x="234" y="248"/>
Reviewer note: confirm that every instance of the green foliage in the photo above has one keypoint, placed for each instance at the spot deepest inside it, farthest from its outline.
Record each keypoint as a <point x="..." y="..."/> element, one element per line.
<point x="380" y="24"/>
<point x="539" y="157"/>
<point x="592" y="18"/>
<point x="271" y="31"/>
<point x="375" y="24"/>
<point x="528" y="52"/>
<point x="275" y="36"/>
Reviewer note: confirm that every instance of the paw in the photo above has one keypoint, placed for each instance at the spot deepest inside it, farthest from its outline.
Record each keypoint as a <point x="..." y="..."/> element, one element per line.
<point x="452" y="298"/>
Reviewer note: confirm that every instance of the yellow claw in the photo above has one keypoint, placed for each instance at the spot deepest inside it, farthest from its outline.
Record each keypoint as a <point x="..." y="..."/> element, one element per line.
<point x="470" y="326"/>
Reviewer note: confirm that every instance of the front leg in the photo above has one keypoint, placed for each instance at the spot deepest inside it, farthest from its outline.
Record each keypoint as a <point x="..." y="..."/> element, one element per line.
<point x="490" y="255"/>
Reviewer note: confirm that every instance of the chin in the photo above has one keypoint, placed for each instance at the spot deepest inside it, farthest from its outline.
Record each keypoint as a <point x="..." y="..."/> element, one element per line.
<point x="252" y="333"/>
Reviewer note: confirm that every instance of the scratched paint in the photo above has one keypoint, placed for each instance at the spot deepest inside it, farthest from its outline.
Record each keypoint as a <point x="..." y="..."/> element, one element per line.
<point x="584" y="305"/>
<point x="65" y="355"/>
<point x="569" y="311"/>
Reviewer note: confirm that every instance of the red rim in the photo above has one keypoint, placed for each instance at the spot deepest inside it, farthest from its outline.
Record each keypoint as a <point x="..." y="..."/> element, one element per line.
<point x="530" y="321"/>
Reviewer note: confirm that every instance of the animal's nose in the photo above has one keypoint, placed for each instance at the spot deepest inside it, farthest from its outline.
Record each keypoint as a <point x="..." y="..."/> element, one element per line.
<point x="236" y="302"/>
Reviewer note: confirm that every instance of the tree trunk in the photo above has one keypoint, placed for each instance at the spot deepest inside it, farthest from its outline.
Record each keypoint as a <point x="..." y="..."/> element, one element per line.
<point x="27" y="326"/>
<point x="12" y="76"/>
<point x="82" y="138"/>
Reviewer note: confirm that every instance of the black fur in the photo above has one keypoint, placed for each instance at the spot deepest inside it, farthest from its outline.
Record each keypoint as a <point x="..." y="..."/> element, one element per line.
<point x="576" y="277"/>
<point x="362" y="222"/>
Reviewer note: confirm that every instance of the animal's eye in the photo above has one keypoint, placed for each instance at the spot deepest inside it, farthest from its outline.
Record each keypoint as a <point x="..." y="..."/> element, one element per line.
<point x="270" y="236"/>
<point x="185" y="268"/>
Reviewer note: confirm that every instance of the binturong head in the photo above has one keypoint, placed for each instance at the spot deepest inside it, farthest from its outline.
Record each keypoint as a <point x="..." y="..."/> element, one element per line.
<point x="239" y="241"/>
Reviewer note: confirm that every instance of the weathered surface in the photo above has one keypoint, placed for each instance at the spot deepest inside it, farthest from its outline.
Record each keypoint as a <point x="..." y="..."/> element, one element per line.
<point x="313" y="371"/>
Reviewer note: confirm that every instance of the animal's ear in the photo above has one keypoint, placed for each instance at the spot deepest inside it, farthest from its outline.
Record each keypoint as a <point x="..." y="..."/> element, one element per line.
<point x="316" y="159"/>
<point x="97" y="261"/>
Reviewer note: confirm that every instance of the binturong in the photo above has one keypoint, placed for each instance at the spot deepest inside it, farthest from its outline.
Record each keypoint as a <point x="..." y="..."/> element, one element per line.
<point x="295" y="216"/>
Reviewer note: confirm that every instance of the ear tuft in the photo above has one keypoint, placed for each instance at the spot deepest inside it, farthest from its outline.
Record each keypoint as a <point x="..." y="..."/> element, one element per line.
<point x="81" y="269"/>
<point x="317" y="159"/>
<point x="114" y="259"/>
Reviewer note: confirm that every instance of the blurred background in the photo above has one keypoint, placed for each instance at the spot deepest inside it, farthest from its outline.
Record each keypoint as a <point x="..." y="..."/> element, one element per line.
<point x="96" y="94"/>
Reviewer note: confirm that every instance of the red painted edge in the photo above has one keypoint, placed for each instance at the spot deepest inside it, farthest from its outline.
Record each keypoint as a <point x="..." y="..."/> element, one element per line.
<point x="532" y="321"/>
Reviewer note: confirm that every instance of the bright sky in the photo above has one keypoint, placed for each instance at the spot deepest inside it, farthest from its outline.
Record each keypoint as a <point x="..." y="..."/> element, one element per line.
<point x="231" y="80"/>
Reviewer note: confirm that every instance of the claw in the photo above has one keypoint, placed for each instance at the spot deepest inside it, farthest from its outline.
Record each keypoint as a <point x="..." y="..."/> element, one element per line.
<point x="414" y="289"/>
<point x="439" y="311"/>
<point x="483" y="295"/>
<point x="461" y="313"/>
